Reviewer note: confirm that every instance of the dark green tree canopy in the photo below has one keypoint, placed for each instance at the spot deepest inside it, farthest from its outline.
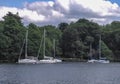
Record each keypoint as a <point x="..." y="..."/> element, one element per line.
<point x="13" y="31"/>
<point x="62" y="26"/>
<point x="112" y="38"/>
<point x="75" y="38"/>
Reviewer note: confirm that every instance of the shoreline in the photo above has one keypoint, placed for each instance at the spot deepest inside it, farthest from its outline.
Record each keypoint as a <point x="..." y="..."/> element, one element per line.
<point x="63" y="59"/>
<point x="73" y="60"/>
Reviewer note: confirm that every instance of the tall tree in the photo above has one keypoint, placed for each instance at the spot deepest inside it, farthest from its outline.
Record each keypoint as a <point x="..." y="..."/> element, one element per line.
<point x="13" y="29"/>
<point x="73" y="42"/>
<point x="111" y="37"/>
<point x="62" y="26"/>
<point x="34" y="38"/>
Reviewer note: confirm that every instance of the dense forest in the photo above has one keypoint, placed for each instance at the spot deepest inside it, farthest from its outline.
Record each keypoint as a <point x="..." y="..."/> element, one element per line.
<point x="73" y="40"/>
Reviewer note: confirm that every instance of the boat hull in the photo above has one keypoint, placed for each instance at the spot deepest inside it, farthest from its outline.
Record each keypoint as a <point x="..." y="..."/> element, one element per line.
<point x="46" y="61"/>
<point x="98" y="61"/>
<point x="27" y="61"/>
<point x="58" y="60"/>
<point x="49" y="61"/>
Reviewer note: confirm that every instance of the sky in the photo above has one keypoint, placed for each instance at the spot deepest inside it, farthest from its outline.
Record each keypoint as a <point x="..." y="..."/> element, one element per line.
<point x="53" y="12"/>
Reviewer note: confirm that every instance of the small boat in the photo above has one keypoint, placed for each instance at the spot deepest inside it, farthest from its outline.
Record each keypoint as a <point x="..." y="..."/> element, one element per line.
<point x="57" y="60"/>
<point x="91" y="61"/>
<point x="47" y="59"/>
<point x="27" y="59"/>
<point x="103" y="60"/>
<point x="100" y="60"/>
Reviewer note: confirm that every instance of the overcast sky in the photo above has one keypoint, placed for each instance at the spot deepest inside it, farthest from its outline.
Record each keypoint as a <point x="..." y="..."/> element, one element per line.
<point x="44" y="12"/>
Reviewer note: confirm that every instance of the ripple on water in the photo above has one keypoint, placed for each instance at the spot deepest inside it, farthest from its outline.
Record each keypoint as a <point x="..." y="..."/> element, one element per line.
<point x="66" y="73"/>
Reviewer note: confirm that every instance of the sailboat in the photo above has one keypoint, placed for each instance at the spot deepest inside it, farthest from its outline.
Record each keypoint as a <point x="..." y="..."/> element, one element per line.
<point x="46" y="59"/>
<point x="100" y="60"/>
<point x="91" y="60"/>
<point x="27" y="59"/>
<point x="57" y="60"/>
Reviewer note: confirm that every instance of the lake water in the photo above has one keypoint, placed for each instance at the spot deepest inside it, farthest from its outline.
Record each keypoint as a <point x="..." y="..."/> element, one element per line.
<point x="61" y="73"/>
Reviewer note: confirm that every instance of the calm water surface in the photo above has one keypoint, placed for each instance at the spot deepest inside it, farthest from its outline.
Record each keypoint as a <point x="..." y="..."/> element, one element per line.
<point x="62" y="73"/>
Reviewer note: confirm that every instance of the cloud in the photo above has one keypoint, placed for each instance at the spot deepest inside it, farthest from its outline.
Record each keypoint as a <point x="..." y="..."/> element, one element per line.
<point x="4" y="11"/>
<point x="27" y="15"/>
<point x="54" y="12"/>
<point x="97" y="10"/>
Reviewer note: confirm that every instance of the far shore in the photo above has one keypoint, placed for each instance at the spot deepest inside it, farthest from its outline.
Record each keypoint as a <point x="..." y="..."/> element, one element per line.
<point x="63" y="59"/>
<point x="73" y="60"/>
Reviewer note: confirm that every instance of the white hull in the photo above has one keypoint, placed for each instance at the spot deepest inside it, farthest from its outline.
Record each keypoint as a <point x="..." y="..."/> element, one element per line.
<point x="98" y="61"/>
<point x="34" y="61"/>
<point x="49" y="61"/>
<point x="103" y="61"/>
<point x="58" y="60"/>
<point x="46" y="61"/>
<point x="27" y="61"/>
<point x="92" y="61"/>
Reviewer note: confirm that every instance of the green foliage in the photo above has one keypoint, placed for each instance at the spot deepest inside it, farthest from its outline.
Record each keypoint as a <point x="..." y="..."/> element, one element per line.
<point x="111" y="34"/>
<point x="106" y="52"/>
<point x="11" y="36"/>
<point x="77" y="38"/>
<point x="72" y="40"/>
<point x="89" y="39"/>
<point x="52" y="33"/>
<point x="34" y="38"/>
<point x="62" y="26"/>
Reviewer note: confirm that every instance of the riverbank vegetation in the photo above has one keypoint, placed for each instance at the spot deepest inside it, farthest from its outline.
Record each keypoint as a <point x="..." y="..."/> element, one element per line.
<point x="73" y="40"/>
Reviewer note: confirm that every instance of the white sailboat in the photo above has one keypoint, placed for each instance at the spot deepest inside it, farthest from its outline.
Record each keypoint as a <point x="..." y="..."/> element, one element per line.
<point x="46" y="59"/>
<point x="91" y="60"/>
<point x="27" y="59"/>
<point x="57" y="60"/>
<point x="100" y="60"/>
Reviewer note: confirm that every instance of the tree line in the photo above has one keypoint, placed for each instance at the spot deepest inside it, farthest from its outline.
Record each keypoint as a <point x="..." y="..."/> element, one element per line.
<point x="73" y="40"/>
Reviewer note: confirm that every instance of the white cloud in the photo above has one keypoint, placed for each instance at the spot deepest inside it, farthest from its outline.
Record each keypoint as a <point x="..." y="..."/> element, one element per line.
<point x="54" y="12"/>
<point x="27" y="15"/>
<point x="31" y="15"/>
<point x="63" y="4"/>
<point x="98" y="6"/>
<point x="5" y="10"/>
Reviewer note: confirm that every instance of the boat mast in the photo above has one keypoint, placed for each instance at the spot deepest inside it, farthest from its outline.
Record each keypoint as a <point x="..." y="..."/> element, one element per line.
<point x="40" y="47"/>
<point x="44" y="44"/>
<point x="26" y="40"/>
<point x="90" y="50"/>
<point x="54" y="47"/>
<point x="100" y="47"/>
<point x="21" y="49"/>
